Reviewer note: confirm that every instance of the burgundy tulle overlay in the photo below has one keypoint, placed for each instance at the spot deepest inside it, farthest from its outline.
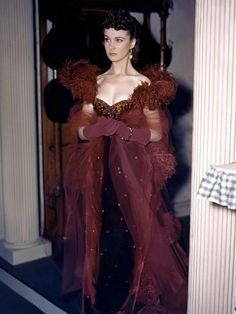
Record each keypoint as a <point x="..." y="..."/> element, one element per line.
<point x="139" y="173"/>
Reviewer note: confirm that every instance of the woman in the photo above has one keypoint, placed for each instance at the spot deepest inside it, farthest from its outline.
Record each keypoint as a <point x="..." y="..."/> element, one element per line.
<point x="119" y="163"/>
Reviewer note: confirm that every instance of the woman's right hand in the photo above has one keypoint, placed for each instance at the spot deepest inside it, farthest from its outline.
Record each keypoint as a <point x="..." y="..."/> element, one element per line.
<point x="103" y="127"/>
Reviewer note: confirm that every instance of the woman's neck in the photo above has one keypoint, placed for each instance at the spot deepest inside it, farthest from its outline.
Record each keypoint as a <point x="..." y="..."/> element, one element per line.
<point x="122" y="67"/>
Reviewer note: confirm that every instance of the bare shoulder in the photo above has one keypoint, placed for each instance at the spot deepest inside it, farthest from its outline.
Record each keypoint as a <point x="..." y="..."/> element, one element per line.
<point x="101" y="77"/>
<point x="142" y="78"/>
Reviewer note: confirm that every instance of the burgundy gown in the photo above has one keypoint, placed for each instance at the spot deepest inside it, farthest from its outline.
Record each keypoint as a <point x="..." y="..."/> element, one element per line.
<point x="134" y="176"/>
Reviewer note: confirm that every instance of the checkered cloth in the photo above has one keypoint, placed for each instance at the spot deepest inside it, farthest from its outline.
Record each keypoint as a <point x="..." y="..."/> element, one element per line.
<point x="219" y="186"/>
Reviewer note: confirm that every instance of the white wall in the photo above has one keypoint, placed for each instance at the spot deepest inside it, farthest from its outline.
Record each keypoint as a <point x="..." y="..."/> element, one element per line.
<point x="212" y="276"/>
<point x="1" y="201"/>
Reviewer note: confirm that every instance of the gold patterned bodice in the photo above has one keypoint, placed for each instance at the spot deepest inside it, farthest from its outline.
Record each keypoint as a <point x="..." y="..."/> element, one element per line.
<point x="114" y="111"/>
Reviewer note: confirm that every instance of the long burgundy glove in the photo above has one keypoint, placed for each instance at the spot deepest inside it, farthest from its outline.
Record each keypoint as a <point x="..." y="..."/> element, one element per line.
<point x="103" y="127"/>
<point x="133" y="134"/>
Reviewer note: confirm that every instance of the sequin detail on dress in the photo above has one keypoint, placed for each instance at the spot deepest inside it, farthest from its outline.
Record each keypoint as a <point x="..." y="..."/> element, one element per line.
<point x="114" y="111"/>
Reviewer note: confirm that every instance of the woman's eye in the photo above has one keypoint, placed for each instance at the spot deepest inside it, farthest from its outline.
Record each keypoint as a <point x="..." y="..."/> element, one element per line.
<point x="106" y="40"/>
<point x="119" y="40"/>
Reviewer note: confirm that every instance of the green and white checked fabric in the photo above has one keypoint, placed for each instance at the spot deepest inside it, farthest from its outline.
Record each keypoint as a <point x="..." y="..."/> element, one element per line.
<point x="219" y="185"/>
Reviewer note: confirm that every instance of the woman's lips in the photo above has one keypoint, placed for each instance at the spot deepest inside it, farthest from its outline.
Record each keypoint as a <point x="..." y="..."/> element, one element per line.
<point x="112" y="53"/>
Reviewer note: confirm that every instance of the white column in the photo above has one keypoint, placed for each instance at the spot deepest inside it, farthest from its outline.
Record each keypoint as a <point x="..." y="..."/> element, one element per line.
<point x="213" y="228"/>
<point x="18" y="134"/>
<point x="1" y="202"/>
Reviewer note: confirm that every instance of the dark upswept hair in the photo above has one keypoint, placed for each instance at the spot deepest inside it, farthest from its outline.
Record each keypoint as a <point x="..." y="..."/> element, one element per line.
<point x="122" y="19"/>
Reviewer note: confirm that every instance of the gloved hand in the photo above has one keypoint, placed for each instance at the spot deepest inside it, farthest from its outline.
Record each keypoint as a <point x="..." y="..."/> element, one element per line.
<point x="133" y="134"/>
<point x="103" y="127"/>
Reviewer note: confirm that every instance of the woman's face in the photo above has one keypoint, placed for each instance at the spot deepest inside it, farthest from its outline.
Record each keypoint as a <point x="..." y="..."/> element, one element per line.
<point x="117" y="44"/>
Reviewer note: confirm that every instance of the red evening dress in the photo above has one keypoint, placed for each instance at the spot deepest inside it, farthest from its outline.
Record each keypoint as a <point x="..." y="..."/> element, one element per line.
<point x="113" y="188"/>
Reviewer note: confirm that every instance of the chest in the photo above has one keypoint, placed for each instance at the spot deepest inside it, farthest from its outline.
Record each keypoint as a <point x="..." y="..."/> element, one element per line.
<point x="115" y="90"/>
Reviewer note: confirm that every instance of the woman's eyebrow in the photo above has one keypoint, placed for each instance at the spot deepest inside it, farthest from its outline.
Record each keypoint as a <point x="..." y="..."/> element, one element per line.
<point x="117" y="37"/>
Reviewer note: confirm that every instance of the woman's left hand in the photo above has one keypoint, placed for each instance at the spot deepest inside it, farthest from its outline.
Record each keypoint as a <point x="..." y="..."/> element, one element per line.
<point x="110" y="126"/>
<point x="140" y="135"/>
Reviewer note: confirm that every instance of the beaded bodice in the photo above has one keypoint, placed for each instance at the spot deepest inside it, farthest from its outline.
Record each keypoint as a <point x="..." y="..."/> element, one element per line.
<point x="114" y="111"/>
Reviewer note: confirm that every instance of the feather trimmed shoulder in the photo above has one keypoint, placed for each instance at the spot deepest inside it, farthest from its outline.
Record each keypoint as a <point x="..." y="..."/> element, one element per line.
<point x="81" y="77"/>
<point x="160" y="92"/>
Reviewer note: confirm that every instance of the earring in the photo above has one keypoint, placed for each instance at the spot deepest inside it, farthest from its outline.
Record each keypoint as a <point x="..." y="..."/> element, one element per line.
<point x="130" y="53"/>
